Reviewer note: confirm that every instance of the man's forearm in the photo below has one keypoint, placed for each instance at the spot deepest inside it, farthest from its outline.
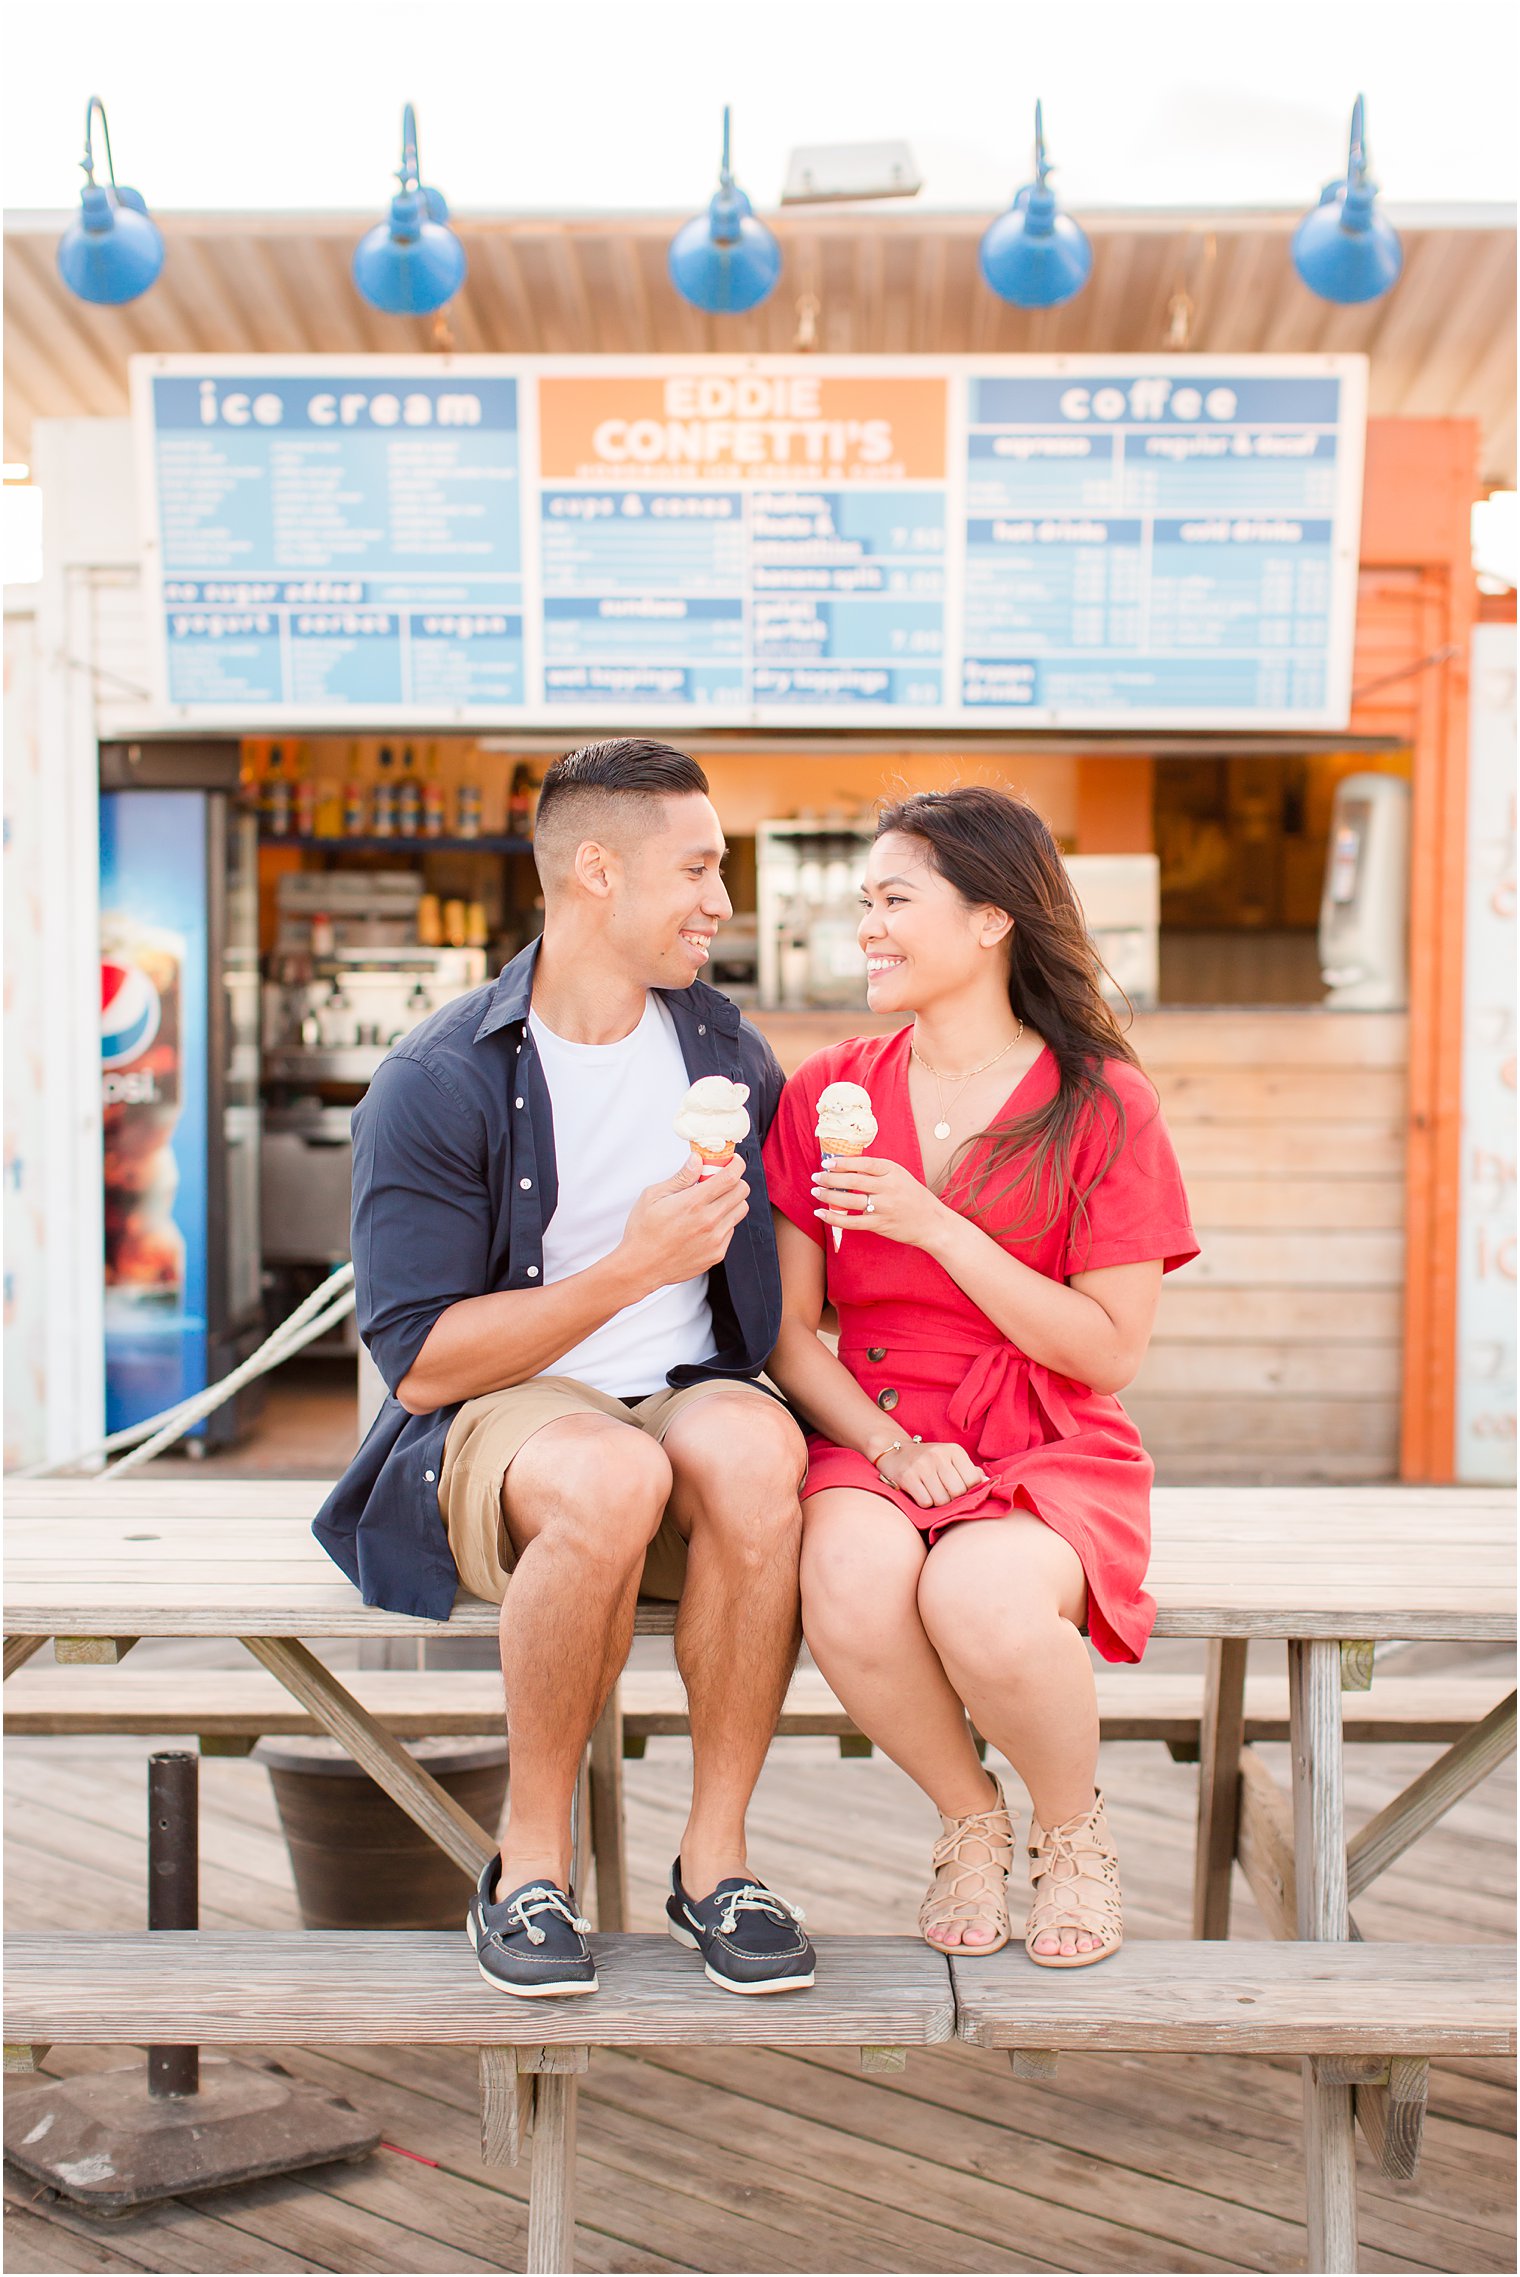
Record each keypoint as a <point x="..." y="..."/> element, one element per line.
<point x="483" y="1344"/>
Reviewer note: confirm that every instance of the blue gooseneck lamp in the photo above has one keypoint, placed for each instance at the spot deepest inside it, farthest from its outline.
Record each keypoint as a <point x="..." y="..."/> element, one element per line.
<point x="111" y="252"/>
<point x="1343" y="249"/>
<point x="725" y="261"/>
<point x="413" y="263"/>
<point x="1034" y="255"/>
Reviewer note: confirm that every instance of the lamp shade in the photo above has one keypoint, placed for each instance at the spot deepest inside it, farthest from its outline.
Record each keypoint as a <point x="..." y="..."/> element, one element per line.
<point x="112" y="250"/>
<point x="725" y="261"/>
<point x="1034" y="255"/>
<point x="413" y="263"/>
<point x="1343" y="248"/>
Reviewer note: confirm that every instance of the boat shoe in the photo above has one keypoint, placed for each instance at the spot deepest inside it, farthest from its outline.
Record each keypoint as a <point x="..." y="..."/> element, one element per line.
<point x="750" y="1940"/>
<point x="532" y="1942"/>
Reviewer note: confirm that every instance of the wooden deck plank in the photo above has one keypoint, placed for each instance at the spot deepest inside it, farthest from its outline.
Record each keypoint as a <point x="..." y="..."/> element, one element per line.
<point x="1169" y="2140"/>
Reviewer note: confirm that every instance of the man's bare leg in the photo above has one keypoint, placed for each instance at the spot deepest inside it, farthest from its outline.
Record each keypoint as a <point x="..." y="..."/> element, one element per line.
<point x="738" y="1461"/>
<point x="583" y="1498"/>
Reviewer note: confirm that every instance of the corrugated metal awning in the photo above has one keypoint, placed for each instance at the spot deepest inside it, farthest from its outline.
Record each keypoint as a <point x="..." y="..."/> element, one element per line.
<point x="1442" y="344"/>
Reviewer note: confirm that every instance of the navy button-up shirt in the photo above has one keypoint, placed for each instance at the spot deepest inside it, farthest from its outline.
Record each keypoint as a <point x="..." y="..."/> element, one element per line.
<point x="454" y="1183"/>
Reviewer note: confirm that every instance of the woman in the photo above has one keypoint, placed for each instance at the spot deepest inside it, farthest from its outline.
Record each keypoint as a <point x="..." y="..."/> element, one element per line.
<point x="976" y="1495"/>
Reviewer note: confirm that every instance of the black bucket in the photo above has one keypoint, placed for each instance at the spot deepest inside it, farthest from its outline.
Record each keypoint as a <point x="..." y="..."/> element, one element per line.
<point x="359" y="1861"/>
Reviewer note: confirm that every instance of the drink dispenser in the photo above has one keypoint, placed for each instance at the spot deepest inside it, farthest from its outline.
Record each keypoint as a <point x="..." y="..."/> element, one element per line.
<point x="1364" y="909"/>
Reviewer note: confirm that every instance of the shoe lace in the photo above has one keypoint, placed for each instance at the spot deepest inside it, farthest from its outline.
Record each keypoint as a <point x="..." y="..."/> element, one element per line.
<point x="755" y="1898"/>
<point x="542" y="1898"/>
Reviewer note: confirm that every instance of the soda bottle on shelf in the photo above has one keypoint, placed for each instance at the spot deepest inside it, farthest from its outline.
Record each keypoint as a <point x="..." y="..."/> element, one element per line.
<point x="382" y="821"/>
<point x="467" y="811"/>
<point x="355" y="804"/>
<point x="304" y="794"/>
<point x="408" y="796"/>
<point x="434" y="812"/>
<point x="519" y="804"/>
<point x="276" y="794"/>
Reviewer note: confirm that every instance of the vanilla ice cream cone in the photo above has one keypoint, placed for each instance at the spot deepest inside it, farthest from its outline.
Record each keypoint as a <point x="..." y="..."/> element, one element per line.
<point x="846" y="1127"/>
<point x="713" y="1120"/>
<point x="713" y="1158"/>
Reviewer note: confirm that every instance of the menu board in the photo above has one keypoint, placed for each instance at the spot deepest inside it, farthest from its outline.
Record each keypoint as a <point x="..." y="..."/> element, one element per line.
<point x="710" y="541"/>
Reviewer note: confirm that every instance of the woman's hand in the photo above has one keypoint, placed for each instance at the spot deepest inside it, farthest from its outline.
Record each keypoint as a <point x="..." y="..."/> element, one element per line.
<point x="933" y="1474"/>
<point x="869" y="1195"/>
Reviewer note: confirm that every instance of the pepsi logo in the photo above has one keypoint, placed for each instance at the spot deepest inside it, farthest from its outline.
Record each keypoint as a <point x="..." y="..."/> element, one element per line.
<point x="129" y="1012"/>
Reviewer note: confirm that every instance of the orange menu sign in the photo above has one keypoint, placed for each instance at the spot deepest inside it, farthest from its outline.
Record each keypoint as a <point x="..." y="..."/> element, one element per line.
<point x="742" y="426"/>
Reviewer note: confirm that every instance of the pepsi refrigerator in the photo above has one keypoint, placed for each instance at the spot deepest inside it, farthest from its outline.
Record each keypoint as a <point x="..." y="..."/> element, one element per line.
<point x="179" y="1079"/>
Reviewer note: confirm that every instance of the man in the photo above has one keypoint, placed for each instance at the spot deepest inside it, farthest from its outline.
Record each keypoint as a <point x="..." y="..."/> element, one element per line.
<point x="571" y="1322"/>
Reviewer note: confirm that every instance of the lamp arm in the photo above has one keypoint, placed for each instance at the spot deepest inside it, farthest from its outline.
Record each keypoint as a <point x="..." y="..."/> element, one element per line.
<point x="409" y="172"/>
<point x="1041" y="162"/>
<point x="88" y="161"/>
<point x="725" y="170"/>
<point x="1356" y="156"/>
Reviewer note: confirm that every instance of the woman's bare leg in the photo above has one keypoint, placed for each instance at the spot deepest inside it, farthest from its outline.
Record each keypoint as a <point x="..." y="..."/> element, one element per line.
<point x="861" y="1565"/>
<point x="1002" y="1601"/>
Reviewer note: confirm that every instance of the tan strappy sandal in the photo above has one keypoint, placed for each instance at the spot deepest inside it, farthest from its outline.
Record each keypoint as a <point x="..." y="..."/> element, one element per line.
<point x="1074" y="1873"/>
<point x="971" y="1862"/>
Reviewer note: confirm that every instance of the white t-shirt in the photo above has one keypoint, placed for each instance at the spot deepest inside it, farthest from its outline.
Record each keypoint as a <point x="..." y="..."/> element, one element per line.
<point x="614" y="1107"/>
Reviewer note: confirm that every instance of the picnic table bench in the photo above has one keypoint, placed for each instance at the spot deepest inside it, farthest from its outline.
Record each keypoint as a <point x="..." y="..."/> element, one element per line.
<point x="1330" y="1571"/>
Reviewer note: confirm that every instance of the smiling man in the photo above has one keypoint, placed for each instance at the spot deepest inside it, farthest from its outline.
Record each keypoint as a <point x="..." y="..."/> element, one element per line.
<point x="571" y="1323"/>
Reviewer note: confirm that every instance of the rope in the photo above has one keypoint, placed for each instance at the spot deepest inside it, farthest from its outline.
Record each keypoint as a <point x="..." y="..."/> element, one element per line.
<point x="329" y="1303"/>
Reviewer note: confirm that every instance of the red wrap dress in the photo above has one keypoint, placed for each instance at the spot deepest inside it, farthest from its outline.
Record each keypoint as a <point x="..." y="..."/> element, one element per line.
<point x="934" y="1361"/>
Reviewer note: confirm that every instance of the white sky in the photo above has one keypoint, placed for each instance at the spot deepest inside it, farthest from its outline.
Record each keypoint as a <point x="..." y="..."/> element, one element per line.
<point x="577" y="104"/>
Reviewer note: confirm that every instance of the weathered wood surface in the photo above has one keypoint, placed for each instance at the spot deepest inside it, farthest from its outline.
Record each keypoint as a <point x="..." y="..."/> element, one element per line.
<point x="235" y="1557"/>
<point x="237" y="1703"/>
<point x="1278" y="1999"/>
<point x="1373" y="1848"/>
<point x="218" y="1988"/>
<point x="1221" y="1737"/>
<point x="1123" y="2162"/>
<point x="377" y="1751"/>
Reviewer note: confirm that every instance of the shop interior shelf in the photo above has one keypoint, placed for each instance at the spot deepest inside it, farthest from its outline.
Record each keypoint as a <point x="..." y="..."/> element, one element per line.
<point x="399" y="845"/>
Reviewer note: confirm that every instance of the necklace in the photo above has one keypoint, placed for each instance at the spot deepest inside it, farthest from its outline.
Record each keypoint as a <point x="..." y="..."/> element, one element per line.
<point x="942" y="1127"/>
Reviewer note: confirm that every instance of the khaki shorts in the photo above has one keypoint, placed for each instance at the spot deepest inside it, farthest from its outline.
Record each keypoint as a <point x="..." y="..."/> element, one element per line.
<point x="486" y="1434"/>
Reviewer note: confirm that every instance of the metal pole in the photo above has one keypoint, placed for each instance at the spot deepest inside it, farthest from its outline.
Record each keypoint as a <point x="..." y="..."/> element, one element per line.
<point x="173" y="1889"/>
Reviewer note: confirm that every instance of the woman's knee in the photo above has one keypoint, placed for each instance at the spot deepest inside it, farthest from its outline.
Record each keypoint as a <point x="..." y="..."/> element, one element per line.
<point x="856" y="1589"/>
<point x="983" y="1624"/>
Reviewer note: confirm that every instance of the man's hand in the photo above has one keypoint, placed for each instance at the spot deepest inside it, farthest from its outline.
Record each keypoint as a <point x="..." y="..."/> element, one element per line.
<point x="682" y="1227"/>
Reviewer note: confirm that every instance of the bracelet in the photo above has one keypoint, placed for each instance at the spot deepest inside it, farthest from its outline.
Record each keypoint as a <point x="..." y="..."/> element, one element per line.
<point x="896" y="1448"/>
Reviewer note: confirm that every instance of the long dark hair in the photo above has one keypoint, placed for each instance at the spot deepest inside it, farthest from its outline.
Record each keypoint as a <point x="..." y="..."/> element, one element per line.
<point x="994" y="849"/>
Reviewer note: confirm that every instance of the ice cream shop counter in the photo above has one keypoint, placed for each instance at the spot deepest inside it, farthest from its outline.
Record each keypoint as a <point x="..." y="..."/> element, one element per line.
<point x="1279" y="1350"/>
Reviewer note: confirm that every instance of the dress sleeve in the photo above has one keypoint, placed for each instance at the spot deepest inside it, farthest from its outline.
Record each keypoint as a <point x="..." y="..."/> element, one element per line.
<point x="791" y="1149"/>
<point x="1139" y="1207"/>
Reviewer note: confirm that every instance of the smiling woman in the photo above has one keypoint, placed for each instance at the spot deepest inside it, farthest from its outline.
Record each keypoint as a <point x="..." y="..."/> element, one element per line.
<point x="976" y="1495"/>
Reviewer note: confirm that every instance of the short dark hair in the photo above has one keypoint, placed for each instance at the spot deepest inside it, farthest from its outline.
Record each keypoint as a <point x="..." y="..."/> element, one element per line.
<point x="604" y="786"/>
<point x="626" y="763"/>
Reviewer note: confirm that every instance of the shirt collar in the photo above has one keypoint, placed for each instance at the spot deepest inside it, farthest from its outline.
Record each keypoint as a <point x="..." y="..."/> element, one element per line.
<point x="514" y="990"/>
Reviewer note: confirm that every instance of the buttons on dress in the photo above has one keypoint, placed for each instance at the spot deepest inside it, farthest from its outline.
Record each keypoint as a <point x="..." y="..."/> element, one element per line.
<point x="532" y="1272"/>
<point x="887" y="1399"/>
<point x="525" y="1184"/>
<point x="430" y="1476"/>
<point x="876" y="1352"/>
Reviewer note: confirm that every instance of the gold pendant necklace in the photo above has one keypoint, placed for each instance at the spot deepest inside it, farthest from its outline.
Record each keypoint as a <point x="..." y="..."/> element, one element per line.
<point x="942" y="1127"/>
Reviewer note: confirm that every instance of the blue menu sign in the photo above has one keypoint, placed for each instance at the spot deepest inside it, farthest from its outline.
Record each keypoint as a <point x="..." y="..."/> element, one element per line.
<point x="346" y="542"/>
<point x="1009" y="541"/>
<point x="1142" y="544"/>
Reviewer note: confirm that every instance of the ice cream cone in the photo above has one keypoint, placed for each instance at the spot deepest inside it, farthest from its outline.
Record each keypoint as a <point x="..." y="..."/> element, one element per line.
<point x="713" y="1158"/>
<point x="839" y="1154"/>
<point x="846" y="1127"/>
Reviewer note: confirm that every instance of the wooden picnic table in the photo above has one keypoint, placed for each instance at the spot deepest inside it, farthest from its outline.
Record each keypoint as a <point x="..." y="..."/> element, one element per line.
<point x="1330" y="1571"/>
